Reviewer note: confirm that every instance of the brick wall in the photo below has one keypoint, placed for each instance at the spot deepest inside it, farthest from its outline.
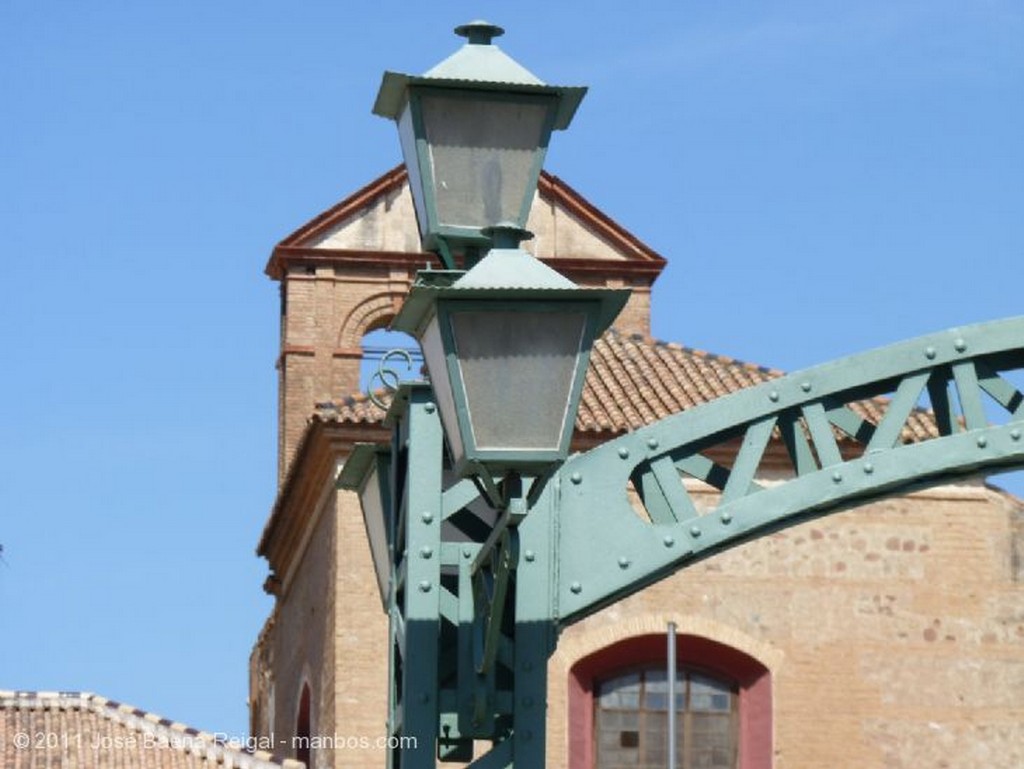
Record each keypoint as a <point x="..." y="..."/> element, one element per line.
<point x="328" y="309"/>
<point x="299" y="645"/>
<point x="894" y="633"/>
<point x="361" y="640"/>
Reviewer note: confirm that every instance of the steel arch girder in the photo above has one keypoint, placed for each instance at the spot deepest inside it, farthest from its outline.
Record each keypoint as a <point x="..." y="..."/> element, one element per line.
<point x="607" y="551"/>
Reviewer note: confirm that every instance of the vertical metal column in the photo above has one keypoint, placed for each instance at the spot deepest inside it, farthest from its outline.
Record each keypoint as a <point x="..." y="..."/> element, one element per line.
<point x="671" y="675"/>
<point x="535" y="635"/>
<point x="417" y="582"/>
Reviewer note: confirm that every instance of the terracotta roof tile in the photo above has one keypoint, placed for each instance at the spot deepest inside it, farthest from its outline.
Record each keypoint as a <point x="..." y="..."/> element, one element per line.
<point x="78" y="730"/>
<point x="633" y="381"/>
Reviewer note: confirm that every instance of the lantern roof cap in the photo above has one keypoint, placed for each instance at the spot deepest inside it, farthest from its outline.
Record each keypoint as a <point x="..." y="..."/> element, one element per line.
<point x="510" y="274"/>
<point x="478" y="65"/>
<point x="481" y="60"/>
<point x="512" y="268"/>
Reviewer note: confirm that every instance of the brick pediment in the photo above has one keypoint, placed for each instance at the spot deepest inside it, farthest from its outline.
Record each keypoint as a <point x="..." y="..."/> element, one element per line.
<point x="569" y="232"/>
<point x="346" y="272"/>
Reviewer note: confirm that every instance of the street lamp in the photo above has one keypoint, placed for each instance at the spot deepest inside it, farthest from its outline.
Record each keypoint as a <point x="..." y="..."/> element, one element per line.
<point x="506" y="344"/>
<point x="476" y="603"/>
<point x="474" y="131"/>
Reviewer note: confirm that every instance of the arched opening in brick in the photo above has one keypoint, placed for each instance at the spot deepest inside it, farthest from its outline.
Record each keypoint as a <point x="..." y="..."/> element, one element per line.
<point x="388" y="357"/>
<point x="303" y="727"/>
<point x="736" y="687"/>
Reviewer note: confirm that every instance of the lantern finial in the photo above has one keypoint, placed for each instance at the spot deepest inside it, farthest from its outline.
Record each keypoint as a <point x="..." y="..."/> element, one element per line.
<point x="479" y="32"/>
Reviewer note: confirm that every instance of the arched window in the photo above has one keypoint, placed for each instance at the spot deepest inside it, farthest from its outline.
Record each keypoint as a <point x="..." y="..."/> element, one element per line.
<point x="303" y="728"/>
<point x="631" y="720"/>
<point x="618" y="706"/>
<point x="378" y="343"/>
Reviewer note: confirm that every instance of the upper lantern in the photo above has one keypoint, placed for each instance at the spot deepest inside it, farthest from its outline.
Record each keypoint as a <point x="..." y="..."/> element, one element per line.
<point x="474" y="131"/>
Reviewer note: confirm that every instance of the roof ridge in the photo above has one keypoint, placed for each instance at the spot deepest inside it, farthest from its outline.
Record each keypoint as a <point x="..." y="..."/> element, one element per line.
<point x="228" y="750"/>
<point x="697" y="351"/>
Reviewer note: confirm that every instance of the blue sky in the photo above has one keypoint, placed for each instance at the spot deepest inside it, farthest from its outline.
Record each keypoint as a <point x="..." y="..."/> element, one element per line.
<point x="824" y="177"/>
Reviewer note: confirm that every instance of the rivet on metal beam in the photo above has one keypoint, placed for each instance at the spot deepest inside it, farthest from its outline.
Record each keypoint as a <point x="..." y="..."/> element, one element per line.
<point x="930" y="352"/>
<point x="869" y="468"/>
<point x="426" y="551"/>
<point x="695" y="531"/>
<point x="576" y="478"/>
<point x="427" y="517"/>
<point x="960" y="345"/>
<point x="1015" y="434"/>
<point x="773" y="396"/>
<point x="669" y="541"/>
<point x="837" y="477"/>
<point x="652" y="443"/>
<point x="425" y="586"/>
<point x="623" y="562"/>
<point x="529" y="556"/>
<point x="576" y="587"/>
<point x="805" y="386"/>
<point x="623" y="452"/>
<point x="982" y="441"/>
<point x="467" y="553"/>
<point x="429" y="407"/>
<point x="726" y="518"/>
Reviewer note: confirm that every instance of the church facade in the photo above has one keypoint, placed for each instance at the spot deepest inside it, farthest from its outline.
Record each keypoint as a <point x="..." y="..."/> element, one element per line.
<point x="888" y="635"/>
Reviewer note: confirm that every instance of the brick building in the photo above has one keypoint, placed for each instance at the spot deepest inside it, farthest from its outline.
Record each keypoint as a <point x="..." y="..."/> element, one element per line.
<point x="79" y="730"/>
<point x="887" y="635"/>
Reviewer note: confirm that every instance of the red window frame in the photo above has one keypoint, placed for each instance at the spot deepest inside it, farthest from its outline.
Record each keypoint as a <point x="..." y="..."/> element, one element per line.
<point x="752" y="678"/>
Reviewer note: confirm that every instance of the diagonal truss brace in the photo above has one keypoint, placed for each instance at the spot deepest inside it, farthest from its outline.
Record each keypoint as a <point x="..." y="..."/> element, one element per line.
<point x="912" y="414"/>
<point x="477" y="594"/>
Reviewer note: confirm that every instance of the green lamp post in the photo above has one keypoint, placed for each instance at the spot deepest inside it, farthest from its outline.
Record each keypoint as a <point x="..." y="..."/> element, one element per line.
<point x="475" y="602"/>
<point x="507" y="343"/>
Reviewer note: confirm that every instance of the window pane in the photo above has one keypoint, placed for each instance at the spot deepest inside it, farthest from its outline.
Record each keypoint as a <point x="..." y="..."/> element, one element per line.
<point x="709" y="694"/>
<point x="656" y="690"/>
<point x="631" y="721"/>
<point x="621" y="692"/>
<point x="713" y="741"/>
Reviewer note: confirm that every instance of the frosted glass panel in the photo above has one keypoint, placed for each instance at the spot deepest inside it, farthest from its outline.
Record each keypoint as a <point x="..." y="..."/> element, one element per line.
<point x="433" y="356"/>
<point x="376" y="528"/>
<point x="407" y="137"/>
<point x="482" y="154"/>
<point x="518" y="399"/>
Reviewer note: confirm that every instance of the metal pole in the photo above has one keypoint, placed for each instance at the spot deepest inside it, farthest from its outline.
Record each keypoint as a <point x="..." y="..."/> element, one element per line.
<point x="671" y="675"/>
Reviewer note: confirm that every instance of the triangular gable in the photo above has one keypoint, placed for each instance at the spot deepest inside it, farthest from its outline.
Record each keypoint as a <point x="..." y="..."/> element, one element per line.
<point x="380" y="218"/>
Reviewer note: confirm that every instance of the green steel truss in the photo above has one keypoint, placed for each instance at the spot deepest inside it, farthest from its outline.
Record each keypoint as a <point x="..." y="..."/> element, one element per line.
<point x="479" y="591"/>
<point x="836" y="457"/>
